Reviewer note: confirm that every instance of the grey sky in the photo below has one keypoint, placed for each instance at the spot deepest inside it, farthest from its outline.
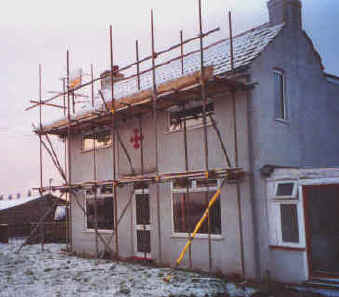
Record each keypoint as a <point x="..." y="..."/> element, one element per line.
<point x="34" y="32"/>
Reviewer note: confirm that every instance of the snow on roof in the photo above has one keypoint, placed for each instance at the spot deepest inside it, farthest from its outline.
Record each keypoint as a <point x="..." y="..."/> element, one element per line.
<point x="332" y="78"/>
<point x="5" y="204"/>
<point x="246" y="47"/>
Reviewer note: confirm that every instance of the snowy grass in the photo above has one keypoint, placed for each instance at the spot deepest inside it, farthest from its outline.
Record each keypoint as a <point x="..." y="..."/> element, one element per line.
<point x="53" y="273"/>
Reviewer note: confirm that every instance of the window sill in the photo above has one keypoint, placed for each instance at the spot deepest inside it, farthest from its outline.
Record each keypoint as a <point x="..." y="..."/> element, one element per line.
<point x="97" y="149"/>
<point x="215" y="237"/>
<point x="282" y="121"/>
<point x="188" y="128"/>
<point x="287" y="248"/>
<point x="100" y="231"/>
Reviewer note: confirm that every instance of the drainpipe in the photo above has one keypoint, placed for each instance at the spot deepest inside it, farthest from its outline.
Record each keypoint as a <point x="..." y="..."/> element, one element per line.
<point x="253" y="202"/>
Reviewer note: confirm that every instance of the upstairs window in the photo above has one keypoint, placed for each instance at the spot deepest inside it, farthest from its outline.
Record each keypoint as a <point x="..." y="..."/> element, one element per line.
<point x="193" y="117"/>
<point x="279" y="95"/>
<point x="99" y="140"/>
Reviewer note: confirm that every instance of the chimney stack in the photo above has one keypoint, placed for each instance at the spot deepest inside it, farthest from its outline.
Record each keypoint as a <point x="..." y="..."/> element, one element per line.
<point x="285" y="11"/>
<point x="106" y="77"/>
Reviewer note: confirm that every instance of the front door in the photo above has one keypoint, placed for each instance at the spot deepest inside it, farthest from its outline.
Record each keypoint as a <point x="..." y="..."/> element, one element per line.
<point x="322" y="226"/>
<point x="143" y="225"/>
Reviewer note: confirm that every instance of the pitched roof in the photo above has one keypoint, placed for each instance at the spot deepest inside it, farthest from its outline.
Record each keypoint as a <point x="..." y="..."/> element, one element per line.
<point x="4" y="204"/>
<point x="247" y="47"/>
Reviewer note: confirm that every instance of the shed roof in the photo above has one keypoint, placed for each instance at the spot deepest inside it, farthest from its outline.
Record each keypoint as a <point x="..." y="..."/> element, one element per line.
<point x="5" y="204"/>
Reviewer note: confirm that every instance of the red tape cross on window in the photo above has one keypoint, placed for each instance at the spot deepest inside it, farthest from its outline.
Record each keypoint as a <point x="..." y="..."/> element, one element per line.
<point x="136" y="138"/>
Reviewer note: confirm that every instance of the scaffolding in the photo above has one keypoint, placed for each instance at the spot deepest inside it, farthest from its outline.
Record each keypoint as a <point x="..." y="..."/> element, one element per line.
<point x="179" y="92"/>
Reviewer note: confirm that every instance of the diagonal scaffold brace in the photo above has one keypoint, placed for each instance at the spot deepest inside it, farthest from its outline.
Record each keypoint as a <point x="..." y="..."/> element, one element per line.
<point x="196" y="229"/>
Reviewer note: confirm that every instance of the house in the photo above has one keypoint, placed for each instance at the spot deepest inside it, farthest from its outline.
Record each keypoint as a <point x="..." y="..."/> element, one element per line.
<point x="265" y="128"/>
<point x="22" y="213"/>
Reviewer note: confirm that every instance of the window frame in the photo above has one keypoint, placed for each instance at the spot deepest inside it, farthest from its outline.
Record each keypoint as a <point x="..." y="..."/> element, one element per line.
<point x="194" y="126"/>
<point x="100" y="195"/>
<point x="194" y="189"/>
<point x="282" y="97"/>
<point x="285" y="197"/>
<point x="275" y="223"/>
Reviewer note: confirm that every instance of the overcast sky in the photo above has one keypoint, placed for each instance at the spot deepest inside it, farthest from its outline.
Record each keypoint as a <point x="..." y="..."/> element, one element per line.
<point x="39" y="32"/>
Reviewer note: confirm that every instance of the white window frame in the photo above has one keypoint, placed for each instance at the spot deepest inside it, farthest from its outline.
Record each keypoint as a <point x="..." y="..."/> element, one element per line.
<point x="282" y="74"/>
<point x="290" y="197"/>
<point x="193" y="189"/>
<point x="275" y="215"/>
<point x="99" y="196"/>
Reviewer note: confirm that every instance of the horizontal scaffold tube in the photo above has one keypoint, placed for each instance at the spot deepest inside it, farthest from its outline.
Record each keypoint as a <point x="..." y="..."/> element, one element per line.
<point x="226" y="173"/>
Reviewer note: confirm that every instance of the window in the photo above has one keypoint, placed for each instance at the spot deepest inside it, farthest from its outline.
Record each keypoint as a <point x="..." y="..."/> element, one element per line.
<point x="60" y="213"/>
<point x="285" y="190"/>
<point x="104" y="205"/>
<point x="289" y="223"/>
<point x="193" y="117"/>
<point x="279" y="95"/>
<point x="285" y="215"/>
<point x="189" y="208"/>
<point x="100" y="140"/>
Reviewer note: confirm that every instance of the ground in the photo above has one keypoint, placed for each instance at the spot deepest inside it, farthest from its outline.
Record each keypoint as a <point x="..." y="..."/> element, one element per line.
<point x="53" y="273"/>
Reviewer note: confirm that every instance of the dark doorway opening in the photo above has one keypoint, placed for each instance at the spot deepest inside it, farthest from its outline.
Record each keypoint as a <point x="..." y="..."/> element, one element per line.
<point x="143" y="224"/>
<point x="321" y="204"/>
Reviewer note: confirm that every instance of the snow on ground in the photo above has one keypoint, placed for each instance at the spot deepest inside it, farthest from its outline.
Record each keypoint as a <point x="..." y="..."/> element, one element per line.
<point x="52" y="273"/>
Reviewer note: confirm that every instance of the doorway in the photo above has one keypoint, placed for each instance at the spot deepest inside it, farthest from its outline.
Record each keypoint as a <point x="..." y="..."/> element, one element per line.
<point x="143" y="224"/>
<point x="321" y="204"/>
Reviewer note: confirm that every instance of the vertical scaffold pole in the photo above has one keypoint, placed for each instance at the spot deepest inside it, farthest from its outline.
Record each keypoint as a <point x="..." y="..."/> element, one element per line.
<point x="69" y="146"/>
<point x="231" y="38"/>
<point x="186" y="155"/>
<point x="156" y="138"/>
<point x="236" y="163"/>
<point x="65" y="163"/>
<point x="95" y="194"/>
<point x="204" y="98"/>
<point x="41" y="158"/>
<point x="73" y="101"/>
<point x="138" y="65"/>
<point x="95" y="173"/>
<point x="64" y="96"/>
<point x="40" y="127"/>
<point x="236" y="154"/>
<point x="92" y="86"/>
<point x="113" y="149"/>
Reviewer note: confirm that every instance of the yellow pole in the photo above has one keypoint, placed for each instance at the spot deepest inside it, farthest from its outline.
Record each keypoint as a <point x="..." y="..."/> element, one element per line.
<point x="199" y="224"/>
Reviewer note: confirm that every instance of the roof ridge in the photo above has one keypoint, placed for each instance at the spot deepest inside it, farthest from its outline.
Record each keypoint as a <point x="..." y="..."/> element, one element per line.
<point x="264" y="25"/>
